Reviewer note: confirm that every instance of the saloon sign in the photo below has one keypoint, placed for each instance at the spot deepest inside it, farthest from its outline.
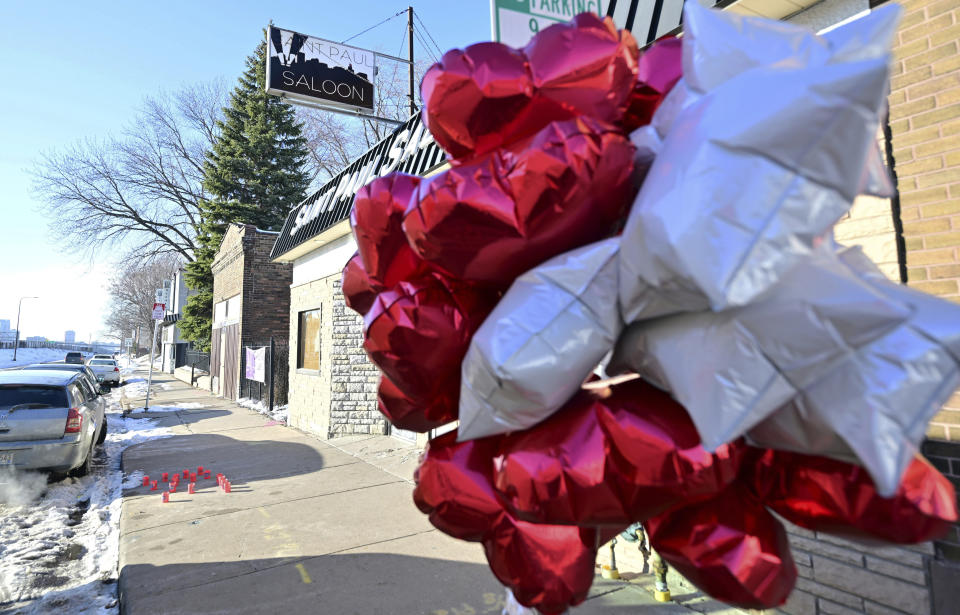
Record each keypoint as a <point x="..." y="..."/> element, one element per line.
<point x="319" y="71"/>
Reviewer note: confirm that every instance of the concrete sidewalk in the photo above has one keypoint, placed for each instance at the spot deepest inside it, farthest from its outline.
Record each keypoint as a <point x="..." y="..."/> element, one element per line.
<point x="310" y="527"/>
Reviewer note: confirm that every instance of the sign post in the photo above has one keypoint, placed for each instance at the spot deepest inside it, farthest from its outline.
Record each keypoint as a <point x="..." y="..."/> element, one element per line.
<point x="158" y="311"/>
<point x="514" y="22"/>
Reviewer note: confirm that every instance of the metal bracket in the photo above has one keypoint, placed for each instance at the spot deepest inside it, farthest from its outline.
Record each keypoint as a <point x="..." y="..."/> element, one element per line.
<point x="351" y="113"/>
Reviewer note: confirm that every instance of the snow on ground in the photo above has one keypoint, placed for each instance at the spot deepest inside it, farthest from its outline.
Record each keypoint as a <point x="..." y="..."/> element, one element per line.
<point x="190" y="405"/>
<point x="26" y="356"/>
<point x="59" y="541"/>
<point x="279" y="412"/>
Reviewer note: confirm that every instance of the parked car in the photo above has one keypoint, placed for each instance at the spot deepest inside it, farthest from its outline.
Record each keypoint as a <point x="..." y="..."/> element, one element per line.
<point x="106" y="370"/>
<point x="49" y="420"/>
<point x="71" y="367"/>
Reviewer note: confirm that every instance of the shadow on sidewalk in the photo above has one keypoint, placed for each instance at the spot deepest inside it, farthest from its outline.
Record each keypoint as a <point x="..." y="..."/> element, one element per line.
<point x="241" y="460"/>
<point x="360" y="583"/>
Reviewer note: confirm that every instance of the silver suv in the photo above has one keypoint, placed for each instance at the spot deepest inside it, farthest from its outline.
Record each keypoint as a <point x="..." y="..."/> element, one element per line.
<point x="49" y="420"/>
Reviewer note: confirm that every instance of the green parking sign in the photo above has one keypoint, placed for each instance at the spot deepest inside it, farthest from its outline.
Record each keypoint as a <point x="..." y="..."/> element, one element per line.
<point x="514" y="22"/>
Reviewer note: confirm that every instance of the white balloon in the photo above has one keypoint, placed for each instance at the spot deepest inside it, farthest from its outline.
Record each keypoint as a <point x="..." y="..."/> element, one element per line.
<point x="549" y="331"/>
<point x="761" y="158"/>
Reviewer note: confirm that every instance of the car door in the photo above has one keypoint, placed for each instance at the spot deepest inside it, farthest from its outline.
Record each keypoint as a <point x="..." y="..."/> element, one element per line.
<point x="93" y="401"/>
<point x="32" y="412"/>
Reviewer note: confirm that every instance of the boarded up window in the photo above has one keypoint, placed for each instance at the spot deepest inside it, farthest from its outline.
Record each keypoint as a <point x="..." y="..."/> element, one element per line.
<point x="308" y="340"/>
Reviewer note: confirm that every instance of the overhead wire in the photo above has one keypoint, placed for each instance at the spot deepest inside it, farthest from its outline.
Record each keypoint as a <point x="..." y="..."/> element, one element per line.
<point x="424" y="27"/>
<point x="416" y="32"/>
<point x="377" y="25"/>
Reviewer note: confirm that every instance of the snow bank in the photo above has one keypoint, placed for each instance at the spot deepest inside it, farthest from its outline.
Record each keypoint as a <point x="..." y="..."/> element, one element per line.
<point x="26" y="356"/>
<point x="59" y="553"/>
<point x="190" y="405"/>
<point x="279" y="412"/>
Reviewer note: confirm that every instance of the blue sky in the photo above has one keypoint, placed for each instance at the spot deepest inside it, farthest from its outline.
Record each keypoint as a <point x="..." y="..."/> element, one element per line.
<point x="78" y="70"/>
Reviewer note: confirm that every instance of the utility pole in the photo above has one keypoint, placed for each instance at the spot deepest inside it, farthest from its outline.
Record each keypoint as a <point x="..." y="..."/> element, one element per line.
<point x="413" y="87"/>
<point x="16" y="342"/>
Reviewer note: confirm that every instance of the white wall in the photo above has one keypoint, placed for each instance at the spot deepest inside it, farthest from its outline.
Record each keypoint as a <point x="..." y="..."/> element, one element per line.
<point x="829" y="13"/>
<point x="326" y="260"/>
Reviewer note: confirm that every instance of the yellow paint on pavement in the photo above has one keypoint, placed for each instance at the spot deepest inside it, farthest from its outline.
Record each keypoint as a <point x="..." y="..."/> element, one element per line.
<point x="303" y="574"/>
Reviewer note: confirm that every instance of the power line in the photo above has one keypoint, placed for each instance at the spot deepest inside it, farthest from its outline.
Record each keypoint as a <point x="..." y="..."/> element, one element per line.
<point x="374" y="26"/>
<point x="416" y="31"/>
<point x="424" y="26"/>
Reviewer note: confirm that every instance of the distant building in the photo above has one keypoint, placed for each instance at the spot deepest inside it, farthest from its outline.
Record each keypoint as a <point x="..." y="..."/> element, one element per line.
<point x="70" y="337"/>
<point x="173" y="349"/>
<point x="36" y="338"/>
<point x="4" y="325"/>
<point x="8" y="335"/>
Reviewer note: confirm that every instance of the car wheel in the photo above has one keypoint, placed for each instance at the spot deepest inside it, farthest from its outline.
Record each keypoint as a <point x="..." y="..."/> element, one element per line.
<point x="84" y="468"/>
<point x="103" y="432"/>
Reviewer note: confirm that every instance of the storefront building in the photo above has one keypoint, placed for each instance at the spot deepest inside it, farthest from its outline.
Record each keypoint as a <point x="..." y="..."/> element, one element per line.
<point x="914" y="238"/>
<point x="250" y="301"/>
<point x="332" y="385"/>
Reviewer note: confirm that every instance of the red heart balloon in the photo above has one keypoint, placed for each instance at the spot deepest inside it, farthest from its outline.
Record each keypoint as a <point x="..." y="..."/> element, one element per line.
<point x="730" y="547"/>
<point x="497" y="216"/>
<point x="489" y="95"/>
<point x="358" y="290"/>
<point x="377" y="219"/>
<point x="832" y="496"/>
<point x="547" y="567"/>
<point x="657" y="448"/>
<point x="453" y="486"/>
<point x="610" y="457"/>
<point x="585" y="65"/>
<point x="659" y="69"/>
<point x="479" y="98"/>
<point x="417" y="333"/>
<point x="413" y="415"/>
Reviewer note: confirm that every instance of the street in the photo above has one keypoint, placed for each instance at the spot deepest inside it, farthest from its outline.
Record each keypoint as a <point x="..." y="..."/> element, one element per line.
<point x="58" y="540"/>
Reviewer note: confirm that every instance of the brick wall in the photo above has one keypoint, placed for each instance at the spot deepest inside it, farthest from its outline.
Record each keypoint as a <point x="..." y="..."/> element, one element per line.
<point x="925" y="121"/>
<point x="227" y="266"/>
<point x="838" y="576"/>
<point x="266" y="290"/>
<point x="242" y="266"/>
<point x="925" y="124"/>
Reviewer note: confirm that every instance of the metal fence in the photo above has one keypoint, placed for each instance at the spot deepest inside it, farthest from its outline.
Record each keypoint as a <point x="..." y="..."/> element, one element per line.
<point x="273" y="391"/>
<point x="276" y="377"/>
<point x="198" y="362"/>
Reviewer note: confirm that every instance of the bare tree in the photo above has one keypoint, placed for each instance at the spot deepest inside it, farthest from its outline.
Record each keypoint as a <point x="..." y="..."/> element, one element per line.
<point x="131" y="292"/>
<point x="141" y="188"/>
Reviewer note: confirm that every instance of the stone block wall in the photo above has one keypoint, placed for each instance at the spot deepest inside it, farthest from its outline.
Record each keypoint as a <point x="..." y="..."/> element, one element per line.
<point x="353" y="398"/>
<point x="341" y="398"/>
<point x="837" y="576"/>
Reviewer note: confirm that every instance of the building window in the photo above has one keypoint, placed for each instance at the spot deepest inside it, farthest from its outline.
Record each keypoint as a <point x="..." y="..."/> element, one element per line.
<point x="308" y="340"/>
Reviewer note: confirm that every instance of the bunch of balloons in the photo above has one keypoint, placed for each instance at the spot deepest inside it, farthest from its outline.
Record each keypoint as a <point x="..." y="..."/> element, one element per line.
<point x="665" y="217"/>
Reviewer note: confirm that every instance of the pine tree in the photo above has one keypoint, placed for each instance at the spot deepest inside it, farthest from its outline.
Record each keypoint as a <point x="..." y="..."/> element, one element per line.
<point x="255" y="174"/>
